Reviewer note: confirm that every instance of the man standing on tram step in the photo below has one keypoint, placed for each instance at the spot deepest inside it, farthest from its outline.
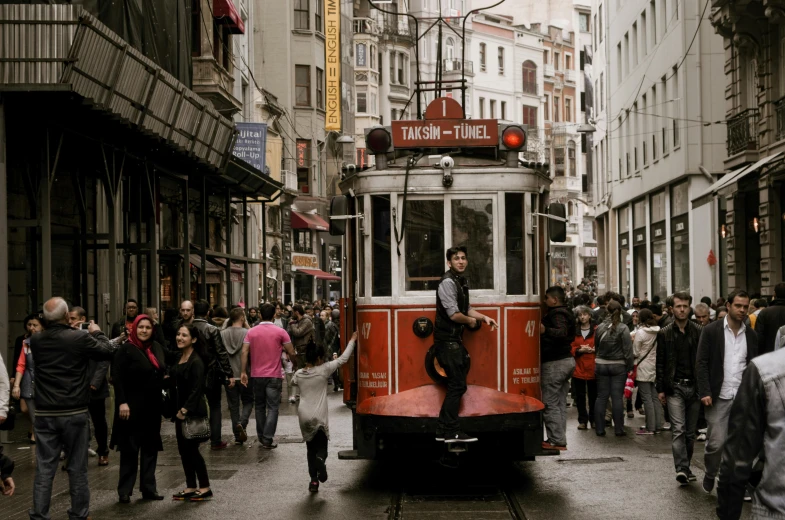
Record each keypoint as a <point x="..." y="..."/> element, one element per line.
<point x="725" y="349"/>
<point x="677" y="353"/>
<point x="219" y="370"/>
<point x="557" y="332"/>
<point x="453" y="313"/>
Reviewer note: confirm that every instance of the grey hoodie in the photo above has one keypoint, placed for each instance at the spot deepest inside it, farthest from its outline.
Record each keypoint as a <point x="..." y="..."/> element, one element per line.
<point x="645" y="347"/>
<point x="233" y="341"/>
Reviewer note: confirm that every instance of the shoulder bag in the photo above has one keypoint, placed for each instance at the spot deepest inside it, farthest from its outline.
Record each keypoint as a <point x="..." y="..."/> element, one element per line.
<point x="196" y="428"/>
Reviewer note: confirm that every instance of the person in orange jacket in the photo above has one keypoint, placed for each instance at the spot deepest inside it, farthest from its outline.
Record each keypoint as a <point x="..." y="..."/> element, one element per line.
<point x="583" y="380"/>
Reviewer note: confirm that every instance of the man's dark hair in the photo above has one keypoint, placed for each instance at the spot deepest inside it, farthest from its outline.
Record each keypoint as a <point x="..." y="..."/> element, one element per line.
<point x="201" y="308"/>
<point x="681" y="295"/>
<point x="741" y="293"/>
<point x="779" y="290"/>
<point x="669" y="301"/>
<point x="79" y="311"/>
<point x="308" y="308"/>
<point x="131" y="300"/>
<point x="313" y="353"/>
<point x="610" y="295"/>
<point x="655" y="308"/>
<point x="557" y="292"/>
<point x="267" y="312"/>
<point x="455" y="250"/>
<point x="655" y="299"/>
<point x="220" y="312"/>
<point x="236" y="314"/>
<point x="706" y="300"/>
<point x="298" y="309"/>
<point x="761" y="303"/>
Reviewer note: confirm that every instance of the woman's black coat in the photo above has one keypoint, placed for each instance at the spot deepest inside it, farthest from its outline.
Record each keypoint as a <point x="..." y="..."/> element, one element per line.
<point x="138" y="384"/>
<point x="188" y="384"/>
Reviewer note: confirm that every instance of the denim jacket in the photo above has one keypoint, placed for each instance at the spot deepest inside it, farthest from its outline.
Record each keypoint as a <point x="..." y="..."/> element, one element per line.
<point x="757" y="421"/>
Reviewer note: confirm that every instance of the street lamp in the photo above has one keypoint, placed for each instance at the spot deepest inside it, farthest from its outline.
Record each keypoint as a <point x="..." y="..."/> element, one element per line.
<point x="586" y="128"/>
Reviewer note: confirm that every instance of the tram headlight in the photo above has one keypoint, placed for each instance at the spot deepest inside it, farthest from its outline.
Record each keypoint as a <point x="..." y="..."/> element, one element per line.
<point x="513" y="138"/>
<point x="378" y="140"/>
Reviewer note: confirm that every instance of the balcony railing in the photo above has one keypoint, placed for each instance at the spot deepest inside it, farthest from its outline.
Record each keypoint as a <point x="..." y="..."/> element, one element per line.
<point x="398" y="27"/>
<point x="742" y="131"/>
<point x="570" y="76"/>
<point x="364" y="26"/>
<point x="779" y="111"/>
<point x="548" y="70"/>
<point x="289" y="180"/>
<point x="457" y="65"/>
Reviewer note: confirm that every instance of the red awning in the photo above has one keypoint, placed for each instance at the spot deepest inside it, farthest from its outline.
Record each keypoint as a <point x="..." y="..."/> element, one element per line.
<point x="309" y="221"/>
<point x="319" y="274"/>
<point x="226" y="9"/>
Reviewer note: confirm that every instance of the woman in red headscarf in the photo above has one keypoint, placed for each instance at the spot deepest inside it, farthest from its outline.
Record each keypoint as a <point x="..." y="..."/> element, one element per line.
<point x="138" y="372"/>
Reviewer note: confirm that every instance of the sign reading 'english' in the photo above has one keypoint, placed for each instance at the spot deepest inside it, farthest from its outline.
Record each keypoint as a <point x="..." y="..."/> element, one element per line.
<point x="332" y="58"/>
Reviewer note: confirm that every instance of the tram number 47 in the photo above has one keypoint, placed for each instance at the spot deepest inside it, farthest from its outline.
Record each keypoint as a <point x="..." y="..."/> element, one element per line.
<point x="530" y="328"/>
<point x="365" y="330"/>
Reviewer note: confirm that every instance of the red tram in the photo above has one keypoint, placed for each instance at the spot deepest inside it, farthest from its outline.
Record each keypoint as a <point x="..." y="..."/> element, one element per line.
<point x="439" y="182"/>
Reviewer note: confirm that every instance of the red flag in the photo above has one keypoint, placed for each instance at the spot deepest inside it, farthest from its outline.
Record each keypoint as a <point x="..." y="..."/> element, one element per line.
<point x="711" y="258"/>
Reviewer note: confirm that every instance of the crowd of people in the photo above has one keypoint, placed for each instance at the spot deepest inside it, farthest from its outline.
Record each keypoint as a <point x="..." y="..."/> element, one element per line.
<point x="65" y="368"/>
<point x="705" y="371"/>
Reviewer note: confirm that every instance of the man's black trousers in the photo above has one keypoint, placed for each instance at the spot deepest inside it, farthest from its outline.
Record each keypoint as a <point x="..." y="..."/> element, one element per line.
<point x="454" y="359"/>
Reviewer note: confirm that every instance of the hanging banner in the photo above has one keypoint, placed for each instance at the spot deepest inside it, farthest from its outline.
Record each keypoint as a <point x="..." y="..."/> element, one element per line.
<point x="332" y="57"/>
<point x="251" y="144"/>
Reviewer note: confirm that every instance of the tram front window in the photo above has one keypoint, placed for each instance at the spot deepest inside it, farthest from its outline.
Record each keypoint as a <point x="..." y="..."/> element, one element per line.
<point x="382" y="238"/>
<point x="472" y="226"/>
<point x="425" y="261"/>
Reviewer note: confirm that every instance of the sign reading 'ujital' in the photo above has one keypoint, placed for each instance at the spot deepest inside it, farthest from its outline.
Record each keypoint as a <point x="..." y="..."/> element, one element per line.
<point x="332" y="58"/>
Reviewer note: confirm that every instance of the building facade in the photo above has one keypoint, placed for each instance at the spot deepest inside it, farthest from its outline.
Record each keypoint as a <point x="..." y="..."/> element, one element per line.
<point x="658" y="76"/>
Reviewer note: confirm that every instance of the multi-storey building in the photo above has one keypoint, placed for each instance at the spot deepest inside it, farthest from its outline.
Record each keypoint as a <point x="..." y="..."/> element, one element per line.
<point x="657" y="70"/>
<point x="747" y="204"/>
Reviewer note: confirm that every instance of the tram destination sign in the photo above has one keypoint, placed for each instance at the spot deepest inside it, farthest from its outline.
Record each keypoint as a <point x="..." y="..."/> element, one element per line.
<point x="439" y="133"/>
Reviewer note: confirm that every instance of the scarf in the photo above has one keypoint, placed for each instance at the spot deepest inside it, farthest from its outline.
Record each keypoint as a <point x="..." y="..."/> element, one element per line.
<point x="144" y="346"/>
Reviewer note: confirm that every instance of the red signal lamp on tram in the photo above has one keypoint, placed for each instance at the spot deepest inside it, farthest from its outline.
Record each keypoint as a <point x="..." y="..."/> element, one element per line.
<point x="378" y="139"/>
<point x="513" y="138"/>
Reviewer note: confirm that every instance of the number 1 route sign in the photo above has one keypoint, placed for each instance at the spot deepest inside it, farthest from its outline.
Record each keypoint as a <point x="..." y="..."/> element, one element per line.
<point x="444" y="126"/>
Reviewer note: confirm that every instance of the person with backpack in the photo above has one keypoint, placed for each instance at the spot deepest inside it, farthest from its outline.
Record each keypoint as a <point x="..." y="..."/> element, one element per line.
<point x="614" y="358"/>
<point x="644" y="348"/>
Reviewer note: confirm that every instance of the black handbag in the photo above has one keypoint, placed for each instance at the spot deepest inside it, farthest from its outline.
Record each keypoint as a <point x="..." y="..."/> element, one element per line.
<point x="196" y="428"/>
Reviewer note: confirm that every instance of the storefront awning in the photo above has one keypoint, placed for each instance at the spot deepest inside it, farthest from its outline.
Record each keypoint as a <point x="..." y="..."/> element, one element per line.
<point x="236" y="268"/>
<point x="309" y="221"/>
<point x="244" y="178"/>
<point x="225" y="9"/>
<point x="196" y="261"/>
<point x="318" y="274"/>
<point x="734" y="176"/>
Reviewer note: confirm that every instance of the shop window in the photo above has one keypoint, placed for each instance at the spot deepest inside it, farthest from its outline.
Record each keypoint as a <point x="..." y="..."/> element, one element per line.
<point x="424" y="244"/>
<point x="472" y="226"/>
<point x="382" y="239"/>
<point x="301" y="239"/>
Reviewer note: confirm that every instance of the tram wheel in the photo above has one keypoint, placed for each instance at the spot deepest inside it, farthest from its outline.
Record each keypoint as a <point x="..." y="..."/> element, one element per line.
<point x="435" y="370"/>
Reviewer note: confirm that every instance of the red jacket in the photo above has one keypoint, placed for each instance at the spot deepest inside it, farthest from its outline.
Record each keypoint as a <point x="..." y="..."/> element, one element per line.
<point x="584" y="362"/>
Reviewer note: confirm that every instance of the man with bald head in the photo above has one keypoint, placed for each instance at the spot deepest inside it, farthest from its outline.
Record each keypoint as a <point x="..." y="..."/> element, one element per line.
<point x="62" y="396"/>
<point x="187" y="312"/>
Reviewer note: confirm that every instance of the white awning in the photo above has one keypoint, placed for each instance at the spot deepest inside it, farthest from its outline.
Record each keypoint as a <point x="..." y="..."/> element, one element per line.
<point x="734" y="176"/>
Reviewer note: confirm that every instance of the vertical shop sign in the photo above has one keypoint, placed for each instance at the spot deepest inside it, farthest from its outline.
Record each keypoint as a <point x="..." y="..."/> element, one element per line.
<point x="332" y="57"/>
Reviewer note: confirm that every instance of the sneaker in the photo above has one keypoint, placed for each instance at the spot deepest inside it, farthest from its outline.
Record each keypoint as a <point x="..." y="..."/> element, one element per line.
<point x="691" y="476"/>
<point x="239" y="431"/>
<point x="666" y="426"/>
<point x="292" y="400"/>
<point x="313" y="487"/>
<point x="708" y="484"/>
<point x="238" y="442"/>
<point x="701" y="437"/>
<point x="582" y="426"/>
<point x="703" y="430"/>
<point x="220" y="446"/>
<point x="459" y="437"/>
<point x="747" y="496"/>
<point x="546" y="445"/>
<point x="270" y="446"/>
<point x="91" y="452"/>
<point x="644" y="431"/>
<point x="682" y="478"/>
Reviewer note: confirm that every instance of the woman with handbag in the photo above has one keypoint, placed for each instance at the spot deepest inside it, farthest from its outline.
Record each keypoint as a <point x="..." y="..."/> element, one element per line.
<point x="24" y="382"/>
<point x="138" y="370"/>
<point x="191" y="422"/>
<point x="645" y="350"/>
<point x="613" y="359"/>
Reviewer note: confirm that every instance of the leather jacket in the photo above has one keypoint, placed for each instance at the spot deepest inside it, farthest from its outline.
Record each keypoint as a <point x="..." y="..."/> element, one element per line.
<point x="756" y="422"/>
<point x="666" y="355"/>
<point x="446" y="330"/>
<point x="301" y="331"/>
<point x="215" y="349"/>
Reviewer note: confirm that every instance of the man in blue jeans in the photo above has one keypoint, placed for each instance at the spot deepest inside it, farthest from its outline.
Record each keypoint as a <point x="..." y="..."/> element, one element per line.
<point x="677" y="352"/>
<point x="557" y="331"/>
<point x="265" y="343"/>
<point x="62" y="396"/>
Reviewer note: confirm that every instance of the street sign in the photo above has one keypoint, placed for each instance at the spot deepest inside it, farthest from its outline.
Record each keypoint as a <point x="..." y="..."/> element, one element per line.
<point x="444" y="126"/>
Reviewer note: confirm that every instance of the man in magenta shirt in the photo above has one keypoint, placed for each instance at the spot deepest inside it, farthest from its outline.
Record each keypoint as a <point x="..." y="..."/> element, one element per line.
<point x="265" y="342"/>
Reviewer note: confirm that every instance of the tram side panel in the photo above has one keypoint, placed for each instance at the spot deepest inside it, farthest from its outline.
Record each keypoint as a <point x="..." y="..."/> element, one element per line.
<point x="374" y="354"/>
<point x="522" y="347"/>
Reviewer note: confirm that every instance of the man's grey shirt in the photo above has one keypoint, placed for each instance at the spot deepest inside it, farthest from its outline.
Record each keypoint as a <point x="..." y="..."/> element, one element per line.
<point x="448" y="294"/>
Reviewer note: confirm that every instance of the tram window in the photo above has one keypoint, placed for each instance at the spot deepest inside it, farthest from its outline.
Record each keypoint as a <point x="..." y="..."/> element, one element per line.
<point x="360" y="255"/>
<point x="382" y="237"/>
<point x="514" y="240"/>
<point x="425" y="262"/>
<point x="535" y="268"/>
<point x="472" y="226"/>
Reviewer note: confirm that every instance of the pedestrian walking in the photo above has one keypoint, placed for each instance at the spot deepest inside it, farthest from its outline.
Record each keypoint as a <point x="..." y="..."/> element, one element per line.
<point x="557" y="332"/>
<point x="121" y="326"/>
<point x="332" y="344"/>
<point x="453" y="313"/>
<point x="138" y="371"/>
<point x="677" y="351"/>
<point x="312" y="411"/>
<point x="280" y="316"/>
<point x="301" y="331"/>
<point x="644" y="348"/>
<point x="613" y="360"/>
<point x="240" y="398"/>
<point x="24" y="379"/>
<point x="755" y="434"/>
<point x="265" y="343"/>
<point x="7" y="485"/>
<point x="770" y="320"/>
<point x="725" y="349"/>
<point x="701" y="314"/>
<point x="219" y="370"/>
<point x="188" y="377"/>
<point x="62" y="396"/>
<point x="253" y="316"/>
<point x="583" y="380"/>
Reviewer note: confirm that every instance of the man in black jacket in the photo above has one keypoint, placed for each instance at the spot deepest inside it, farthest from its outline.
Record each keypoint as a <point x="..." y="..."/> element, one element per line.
<point x="131" y="312"/>
<point x="219" y="370"/>
<point x="725" y="349"/>
<point x="557" y="332"/>
<point x="770" y="320"/>
<point x="677" y="351"/>
<point x="62" y="396"/>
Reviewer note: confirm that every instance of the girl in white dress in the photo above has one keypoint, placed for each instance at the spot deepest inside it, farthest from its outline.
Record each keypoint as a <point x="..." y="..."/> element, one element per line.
<point x="312" y="411"/>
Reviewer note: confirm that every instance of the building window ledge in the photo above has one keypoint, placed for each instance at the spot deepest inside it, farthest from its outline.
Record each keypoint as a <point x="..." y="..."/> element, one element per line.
<point x="320" y="35"/>
<point x="303" y="32"/>
<point x="321" y="111"/>
<point x="310" y="109"/>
